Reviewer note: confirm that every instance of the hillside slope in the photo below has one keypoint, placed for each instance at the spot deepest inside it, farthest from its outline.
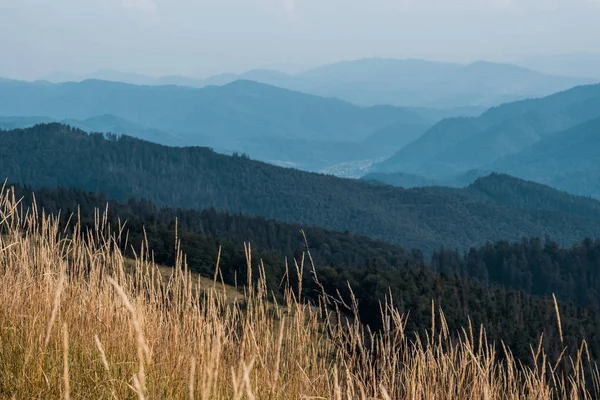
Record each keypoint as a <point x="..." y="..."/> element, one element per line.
<point x="533" y="265"/>
<point x="97" y="356"/>
<point x="568" y="160"/>
<point x="50" y="155"/>
<point x="456" y="145"/>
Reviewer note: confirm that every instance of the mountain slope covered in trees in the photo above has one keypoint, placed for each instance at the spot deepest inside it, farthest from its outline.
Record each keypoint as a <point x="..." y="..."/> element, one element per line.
<point x="568" y="160"/>
<point x="373" y="269"/>
<point x="456" y="145"/>
<point x="51" y="155"/>
<point x="408" y="181"/>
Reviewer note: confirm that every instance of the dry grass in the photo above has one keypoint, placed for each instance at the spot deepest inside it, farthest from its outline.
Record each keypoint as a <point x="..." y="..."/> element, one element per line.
<point x="77" y="320"/>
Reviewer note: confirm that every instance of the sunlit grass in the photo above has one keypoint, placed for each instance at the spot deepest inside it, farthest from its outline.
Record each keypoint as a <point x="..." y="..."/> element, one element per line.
<point x="78" y="320"/>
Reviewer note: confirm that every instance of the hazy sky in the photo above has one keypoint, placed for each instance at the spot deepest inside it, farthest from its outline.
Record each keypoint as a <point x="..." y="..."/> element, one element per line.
<point x="203" y="37"/>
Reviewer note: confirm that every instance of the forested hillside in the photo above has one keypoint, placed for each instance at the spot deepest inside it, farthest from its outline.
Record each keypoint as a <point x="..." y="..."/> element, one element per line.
<point x="373" y="269"/>
<point x="253" y="200"/>
<point x="533" y="196"/>
<point x="456" y="145"/>
<point x="568" y="160"/>
<point x="51" y="155"/>
<point x="408" y="181"/>
<point x="266" y="235"/>
<point x="531" y="265"/>
<point x="534" y="266"/>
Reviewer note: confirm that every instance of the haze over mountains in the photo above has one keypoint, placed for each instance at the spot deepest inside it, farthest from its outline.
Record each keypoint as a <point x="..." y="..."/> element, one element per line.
<point x="325" y="119"/>
<point x="569" y="160"/>
<point x="583" y="65"/>
<point x="377" y="81"/>
<point x="550" y="140"/>
<point x="267" y="122"/>
<point x="186" y="220"/>
<point x="255" y="114"/>
<point x="486" y="184"/>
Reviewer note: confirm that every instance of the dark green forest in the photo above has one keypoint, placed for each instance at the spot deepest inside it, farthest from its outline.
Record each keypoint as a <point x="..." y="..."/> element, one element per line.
<point x="197" y="178"/>
<point x="532" y="265"/>
<point x="373" y="269"/>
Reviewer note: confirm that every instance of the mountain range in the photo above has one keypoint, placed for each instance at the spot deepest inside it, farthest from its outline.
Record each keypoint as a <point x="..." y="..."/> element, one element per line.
<point x="266" y="122"/>
<point x="190" y="177"/>
<point x="377" y="81"/>
<point x="99" y="124"/>
<point x="550" y="140"/>
<point x="402" y="146"/>
<point x="568" y="160"/>
<point x="582" y="65"/>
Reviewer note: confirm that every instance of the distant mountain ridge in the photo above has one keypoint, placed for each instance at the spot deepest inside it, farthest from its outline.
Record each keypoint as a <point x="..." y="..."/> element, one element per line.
<point x="8" y="123"/>
<point x="266" y="122"/>
<point x="584" y="65"/>
<point x="124" y="77"/>
<point x="410" y="181"/>
<point x="426" y="218"/>
<point x="102" y="124"/>
<point x="568" y="160"/>
<point x="398" y="82"/>
<point x="457" y="145"/>
<point x="434" y="84"/>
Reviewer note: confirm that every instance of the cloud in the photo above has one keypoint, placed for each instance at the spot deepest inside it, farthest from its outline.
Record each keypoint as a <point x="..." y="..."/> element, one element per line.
<point x="290" y="7"/>
<point x="145" y="6"/>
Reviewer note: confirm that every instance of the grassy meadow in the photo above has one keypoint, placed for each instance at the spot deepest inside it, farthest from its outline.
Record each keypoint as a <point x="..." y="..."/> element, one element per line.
<point x="79" y="320"/>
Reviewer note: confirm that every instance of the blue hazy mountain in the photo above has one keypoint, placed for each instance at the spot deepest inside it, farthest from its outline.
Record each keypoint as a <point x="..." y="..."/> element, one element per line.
<point x="99" y="124"/>
<point x="8" y="123"/>
<point x="456" y="145"/>
<point x="397" y="135"/>
<point x="266" y="122"/>
<point x="568" y="160"/>
<point x="420" y="83"/>
<point x="111" y="124"/>
<point x="583" y="65"/>
<point x="377" y="81"/>
<point x="102" y="74"/>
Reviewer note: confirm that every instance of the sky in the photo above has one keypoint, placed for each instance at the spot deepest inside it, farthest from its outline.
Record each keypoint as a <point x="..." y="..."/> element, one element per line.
<point x="199" y="38"/>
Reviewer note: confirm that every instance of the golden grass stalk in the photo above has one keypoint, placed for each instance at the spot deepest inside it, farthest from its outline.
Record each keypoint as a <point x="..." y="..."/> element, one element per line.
<point x="560" y="331"/>
<point x="55" y="306"/>
<point x="102" y="353"/>
<point x="65" y="336"/>
<point x="143" y="352"/>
